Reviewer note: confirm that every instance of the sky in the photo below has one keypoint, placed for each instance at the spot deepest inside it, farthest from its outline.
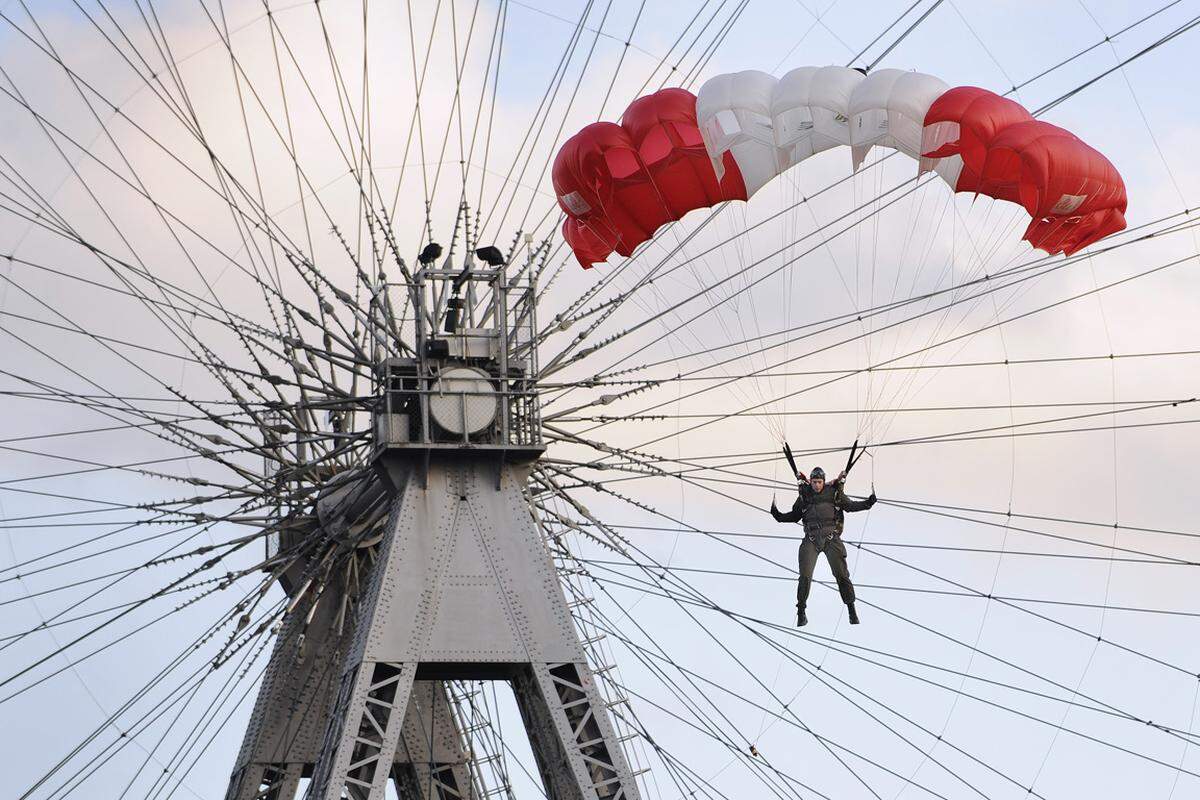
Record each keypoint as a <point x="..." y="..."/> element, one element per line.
<point x="1027" y="597"/>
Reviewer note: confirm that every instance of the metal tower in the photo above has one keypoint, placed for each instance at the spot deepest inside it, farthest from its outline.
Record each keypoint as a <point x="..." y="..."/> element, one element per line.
<point x="448" y="577"/>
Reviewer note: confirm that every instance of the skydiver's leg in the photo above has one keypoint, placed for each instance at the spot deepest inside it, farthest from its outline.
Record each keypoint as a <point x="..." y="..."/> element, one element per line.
<point x="807" y="563"/>
<point x="835" y="553"/>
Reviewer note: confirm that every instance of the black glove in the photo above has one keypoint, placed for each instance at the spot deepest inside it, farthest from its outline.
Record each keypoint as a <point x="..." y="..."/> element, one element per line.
<point x="871" y="499"/>
<point x="775" y="511"/>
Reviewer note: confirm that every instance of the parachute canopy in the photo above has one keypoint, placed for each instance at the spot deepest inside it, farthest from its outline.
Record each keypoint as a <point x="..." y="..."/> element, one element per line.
<point x="674" y="152"/>
<point x="619" y="183"/>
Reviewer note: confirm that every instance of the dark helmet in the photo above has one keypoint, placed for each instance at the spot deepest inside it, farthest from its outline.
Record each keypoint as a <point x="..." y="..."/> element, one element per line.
<point x="816" y="474"/>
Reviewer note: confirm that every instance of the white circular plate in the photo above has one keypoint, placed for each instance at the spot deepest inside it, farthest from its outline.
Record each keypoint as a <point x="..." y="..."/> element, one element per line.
<point x="463" y="401"/>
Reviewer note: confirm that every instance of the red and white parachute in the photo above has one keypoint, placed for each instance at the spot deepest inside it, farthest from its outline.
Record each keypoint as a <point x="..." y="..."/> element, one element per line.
<point x="675" y="152"/>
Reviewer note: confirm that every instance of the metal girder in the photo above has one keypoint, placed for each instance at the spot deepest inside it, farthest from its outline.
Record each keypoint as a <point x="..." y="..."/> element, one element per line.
<point x="465" y="588"/>
<point x="285" y="735"/>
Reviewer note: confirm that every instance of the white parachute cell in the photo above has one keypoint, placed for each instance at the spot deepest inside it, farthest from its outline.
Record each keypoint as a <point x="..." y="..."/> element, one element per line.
<point x="769" y="125"/>
<point x="949" y="168"/>
<point x="810" y="111"/>
<point x="734" y="115"/>
<point x="888" y="109"/>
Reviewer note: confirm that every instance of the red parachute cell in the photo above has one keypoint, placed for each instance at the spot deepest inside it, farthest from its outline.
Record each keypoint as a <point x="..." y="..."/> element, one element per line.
<point x="963" y="122"/>
<point x="1074" y="194"/>
<point x="587" y="246"/>
<point x="618" y="184"/>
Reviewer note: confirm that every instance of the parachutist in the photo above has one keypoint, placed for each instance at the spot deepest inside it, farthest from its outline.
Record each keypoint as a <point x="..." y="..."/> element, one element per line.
<point x="820" y="508"/>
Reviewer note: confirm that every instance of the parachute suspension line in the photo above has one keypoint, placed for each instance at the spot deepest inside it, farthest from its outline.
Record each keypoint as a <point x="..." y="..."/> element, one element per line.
<point x="695" y="72"/>
<point x="692" y="265"/>
<point x="1039" y="234"/>
<point x="878" y="386"/>
<point x="919" y="200"/>
<point x="872" y="342"/>
<point x="866" y="211"/>
<point x="908" y="386"/>
<point x="789" y="196"/>
<point x="771" y="423"/>
<point x="960" y="337"/>
<point x="919" y="351"/>
<point x="789" y="231"/>
<point x="983" y="260"/>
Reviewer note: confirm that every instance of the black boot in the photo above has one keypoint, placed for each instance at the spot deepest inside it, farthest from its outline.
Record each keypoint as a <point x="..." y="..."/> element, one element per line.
<point x="852" y="613"/>
<point x="801" y="617"/>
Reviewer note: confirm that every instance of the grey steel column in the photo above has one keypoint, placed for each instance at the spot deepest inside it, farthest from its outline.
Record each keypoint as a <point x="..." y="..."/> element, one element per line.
<point x="465" y="588"/>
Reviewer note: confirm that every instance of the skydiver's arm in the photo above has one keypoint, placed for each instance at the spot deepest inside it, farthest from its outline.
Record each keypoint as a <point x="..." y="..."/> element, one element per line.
<point x="847" y="504"/>
<point x="795" y="515"/>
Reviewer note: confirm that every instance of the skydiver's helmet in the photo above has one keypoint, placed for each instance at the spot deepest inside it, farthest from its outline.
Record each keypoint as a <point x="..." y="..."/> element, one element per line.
<point x="816" y="474"/>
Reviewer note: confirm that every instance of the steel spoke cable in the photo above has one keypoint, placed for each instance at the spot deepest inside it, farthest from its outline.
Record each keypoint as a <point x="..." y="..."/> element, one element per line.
<point x="79" y="87"/>
<point x="828" y="450"/>
<point x="654" y="578"/>
<point x="987" y="285"/>
<point x="829" y="745"/>
<point x="1125" y="648"/>
<point x="821" y="412"/>
<point x="816" y="671"/>
<point x="757" y="556"/>
<point x="956" y="338"/>
<point x="715" y="728"/>
<point x="705" y="602"/>
<point x="702" y="722"/>
<point x="850" y="317"/>
<point x="741" y="664"/>
<point x="948" y="593"/>
<point x="90" y="614"/>
<point x="61" y="649"/>
<point x="916" y="545"/>
<point x="751" y="620"/>
<point x="62" y="134"/>
<point x="200" y="674"/>
<point x="917" y="367"/>
<point x="360" y="162"/>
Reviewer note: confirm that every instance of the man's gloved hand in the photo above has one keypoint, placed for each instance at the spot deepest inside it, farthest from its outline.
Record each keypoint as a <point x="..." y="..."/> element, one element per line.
<point x="775" y="511"/>
<point x="871" y="499"/>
